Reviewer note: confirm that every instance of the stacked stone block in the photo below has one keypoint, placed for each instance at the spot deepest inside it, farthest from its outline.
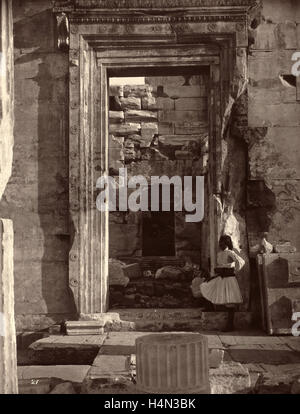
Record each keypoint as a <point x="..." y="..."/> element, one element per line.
<point x="159" y="128"/>
<point x="158" y="122"/>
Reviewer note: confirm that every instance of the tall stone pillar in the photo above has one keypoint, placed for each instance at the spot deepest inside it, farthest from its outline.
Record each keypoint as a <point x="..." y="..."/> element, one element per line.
<point x="8" y="359"/>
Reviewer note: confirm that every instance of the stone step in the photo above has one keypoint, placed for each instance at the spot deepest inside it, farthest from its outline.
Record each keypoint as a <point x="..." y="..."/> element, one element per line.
<point x="62" y="350"/>
<point x="147" y="292"/>
<point x="158" y="320"/>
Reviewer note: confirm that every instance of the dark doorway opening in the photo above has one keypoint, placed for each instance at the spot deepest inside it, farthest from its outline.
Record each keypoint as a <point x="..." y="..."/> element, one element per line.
<point x="158" y="233"/>
<point x="158" y="227"/>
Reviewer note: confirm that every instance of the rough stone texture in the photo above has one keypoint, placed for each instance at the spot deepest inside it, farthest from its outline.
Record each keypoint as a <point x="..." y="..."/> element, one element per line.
<point x="274" y="157"/>
<point x="130" y="103"/>
<point x="41" y="222"/>
<point x="36" y="197"/>
<point x="229" y="378"/>
<point x="159" y="320"/>
<point x="140" y="116"/>
<point x="116" y="116"/>
<point x="231" y="209"/>
<point x="116" y="274"/>
<point x="6" y="95"/>
<point x="156" y="149"/>
<point x="125" y="129"/>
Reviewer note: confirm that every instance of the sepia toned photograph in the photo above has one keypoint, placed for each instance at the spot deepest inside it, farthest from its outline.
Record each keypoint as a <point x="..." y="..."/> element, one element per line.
<point x="150" y="200"/>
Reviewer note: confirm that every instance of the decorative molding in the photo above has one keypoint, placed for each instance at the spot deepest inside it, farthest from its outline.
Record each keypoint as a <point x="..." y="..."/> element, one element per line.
<point x="157" y="19"/>
<point x="63" y="31"/>
<point x="152" y="4"/>
<point x="89" y="56"/>
<point x="154" y="11"/>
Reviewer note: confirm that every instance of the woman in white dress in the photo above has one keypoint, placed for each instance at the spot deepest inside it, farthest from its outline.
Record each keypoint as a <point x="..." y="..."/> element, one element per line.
<point x="223" y="289"/>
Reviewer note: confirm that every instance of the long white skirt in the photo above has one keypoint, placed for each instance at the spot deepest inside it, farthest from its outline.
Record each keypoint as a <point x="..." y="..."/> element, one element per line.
<point x="222" y="291"/>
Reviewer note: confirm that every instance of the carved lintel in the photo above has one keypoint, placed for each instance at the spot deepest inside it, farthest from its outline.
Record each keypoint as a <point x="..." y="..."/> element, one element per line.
<point x="160" y="4"/>
<point x="63" y="31"/>
<point x="154" y="11"/>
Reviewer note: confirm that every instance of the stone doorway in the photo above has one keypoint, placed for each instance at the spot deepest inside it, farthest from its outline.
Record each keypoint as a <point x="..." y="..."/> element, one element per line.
<point x="103" y="38"/>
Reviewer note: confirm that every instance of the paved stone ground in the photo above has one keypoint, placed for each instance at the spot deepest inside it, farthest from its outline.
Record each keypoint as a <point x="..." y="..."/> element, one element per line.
<point x="239" y="363"/>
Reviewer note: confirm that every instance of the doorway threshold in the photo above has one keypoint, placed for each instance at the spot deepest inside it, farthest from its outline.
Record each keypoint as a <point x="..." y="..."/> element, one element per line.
<point x="185" y="319"/>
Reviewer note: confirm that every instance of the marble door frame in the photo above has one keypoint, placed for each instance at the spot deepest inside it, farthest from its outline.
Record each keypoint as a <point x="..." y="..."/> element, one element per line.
<point x="99" y="40"/>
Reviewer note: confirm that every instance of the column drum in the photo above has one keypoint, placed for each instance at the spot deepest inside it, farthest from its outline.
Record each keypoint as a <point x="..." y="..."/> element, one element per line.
<point x="172" y="364"/>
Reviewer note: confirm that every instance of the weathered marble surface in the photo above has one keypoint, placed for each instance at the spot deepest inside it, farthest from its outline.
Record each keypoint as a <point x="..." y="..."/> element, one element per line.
<point x="8" y="359"/>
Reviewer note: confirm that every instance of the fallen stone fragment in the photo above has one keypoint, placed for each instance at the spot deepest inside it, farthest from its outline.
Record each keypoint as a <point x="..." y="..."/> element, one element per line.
<point x="170" y="272"/>
<point x="116" y="274"/>
<point x="132" y="271"/>
<point x="284" y="248"/>
<point x="74" y="328"/>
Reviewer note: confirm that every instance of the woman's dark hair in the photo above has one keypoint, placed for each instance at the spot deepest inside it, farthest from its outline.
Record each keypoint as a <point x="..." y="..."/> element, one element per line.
<point x="227" y="241"/>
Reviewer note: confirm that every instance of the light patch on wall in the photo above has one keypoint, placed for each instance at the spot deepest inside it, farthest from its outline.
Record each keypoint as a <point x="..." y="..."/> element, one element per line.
<point x="2" y="324"/>
<point x="127" y="81"/>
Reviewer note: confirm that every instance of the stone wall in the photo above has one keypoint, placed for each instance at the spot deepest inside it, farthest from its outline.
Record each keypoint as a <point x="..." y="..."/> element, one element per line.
<point x="262" y="146"/>
<point x="274" y="121"/>
<point x="159" y="128"/>
<point x="36" y="197"/>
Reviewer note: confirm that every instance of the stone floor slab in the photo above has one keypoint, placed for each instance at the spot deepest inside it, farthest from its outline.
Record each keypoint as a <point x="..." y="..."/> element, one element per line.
<point x="65" y="341"/>
<point x="114" y="363"/>
<point x="242" y="339"/>
<point x="120" y="343"/>
<point x="293" y="343"/>
<point x="73" y="373"/>
<point x="260" y="354"/>
<point x="42" y="386"/>
<point x="214" y="341"/>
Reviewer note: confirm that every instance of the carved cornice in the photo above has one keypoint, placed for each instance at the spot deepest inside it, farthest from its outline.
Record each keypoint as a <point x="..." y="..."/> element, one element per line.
<point x="208" y="8"/>
<point x="151" y="4"/>
<point x="156" y="19"/>
<point x="154" y="11"/>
